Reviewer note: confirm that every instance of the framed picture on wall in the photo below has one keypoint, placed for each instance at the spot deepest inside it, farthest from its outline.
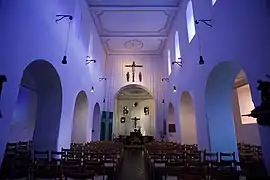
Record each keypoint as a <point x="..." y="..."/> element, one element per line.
<point x="123" y="120"/>
<point x="172" y="128"/>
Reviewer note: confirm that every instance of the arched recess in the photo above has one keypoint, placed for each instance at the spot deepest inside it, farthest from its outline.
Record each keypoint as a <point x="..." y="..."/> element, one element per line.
<point x="37" y="114"/>
<point x="127" y="96"/>
<point x="96" y="123"/>
<point x="221" y="108"/>
<point x="171" y="123"/>
<point x="188" y="128"/>
<point x="80" y="118"/>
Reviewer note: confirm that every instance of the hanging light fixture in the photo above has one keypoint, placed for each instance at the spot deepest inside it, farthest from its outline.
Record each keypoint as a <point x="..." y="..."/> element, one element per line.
<point x="60" y="17"/>
<point x="174" y="89"/>
<point x="206" y="22"/>
<point x="92" y="89"/>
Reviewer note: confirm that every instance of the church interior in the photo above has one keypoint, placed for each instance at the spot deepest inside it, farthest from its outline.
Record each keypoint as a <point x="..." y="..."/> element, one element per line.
<point x="134" y="89"/>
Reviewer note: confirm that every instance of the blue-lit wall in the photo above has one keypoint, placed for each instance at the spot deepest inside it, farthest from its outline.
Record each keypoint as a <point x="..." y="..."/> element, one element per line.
<point x="24" y="116"/>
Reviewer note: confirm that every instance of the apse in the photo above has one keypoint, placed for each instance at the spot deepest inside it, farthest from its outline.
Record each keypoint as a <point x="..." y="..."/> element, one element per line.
<point x="188" y="128"/>
<point x="80" y="119"/>
<point x="133" y="101"/>
<point x="219" y="107"/>
<point x="37" y="114"/>
<point x="171" y="124"/>
<point x="96" y="123"/>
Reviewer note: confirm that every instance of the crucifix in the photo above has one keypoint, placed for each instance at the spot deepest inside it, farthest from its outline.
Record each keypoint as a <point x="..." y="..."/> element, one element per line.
<point x="135" y="119"/>
<point x="133" y="66"/>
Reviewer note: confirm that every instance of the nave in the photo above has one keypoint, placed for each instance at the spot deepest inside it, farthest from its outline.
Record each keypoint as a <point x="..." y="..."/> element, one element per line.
<point x="111" y="160"/>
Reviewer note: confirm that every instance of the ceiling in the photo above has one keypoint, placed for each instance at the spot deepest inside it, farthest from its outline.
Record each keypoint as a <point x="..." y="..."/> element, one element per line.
<point x="133" y="26"/>
<point x="133" y="91"/>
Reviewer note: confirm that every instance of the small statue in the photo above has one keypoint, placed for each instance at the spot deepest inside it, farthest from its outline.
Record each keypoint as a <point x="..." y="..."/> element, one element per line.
<point x="264" y="87"/>
<point x="127" y="75"/>
<point x="146" y="110"/>
<point x="3" y="79"/>
<point x="140" y="77"/>
<point x="125" y="111"/>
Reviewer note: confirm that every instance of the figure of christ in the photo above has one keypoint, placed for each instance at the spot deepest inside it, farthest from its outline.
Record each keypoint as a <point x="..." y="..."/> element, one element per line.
<point x="133" y="66"/>
<point x="135" y="119"/>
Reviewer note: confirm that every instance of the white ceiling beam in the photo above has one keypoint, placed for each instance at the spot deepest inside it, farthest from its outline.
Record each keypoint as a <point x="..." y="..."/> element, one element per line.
<point x="130" y="8"/>
<point x="135" y="36"/>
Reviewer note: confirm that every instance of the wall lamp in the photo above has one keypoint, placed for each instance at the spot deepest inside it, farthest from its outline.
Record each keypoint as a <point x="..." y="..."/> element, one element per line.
<point x="174" y="89"/>
<point x="165" y="79"/>
<point x="102" y="79"/>
<point x="205" y="21"/>
<point x="92" y="89"/>
<point x="88" y="60"/>
<point x="178" y="63"/>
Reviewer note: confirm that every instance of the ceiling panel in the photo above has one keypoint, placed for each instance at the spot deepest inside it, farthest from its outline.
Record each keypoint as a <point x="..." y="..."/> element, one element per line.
<point x="146" y="23"/>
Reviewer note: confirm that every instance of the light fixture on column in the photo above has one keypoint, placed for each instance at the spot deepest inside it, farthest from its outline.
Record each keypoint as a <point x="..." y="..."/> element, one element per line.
<point x="174" y="89"/>
<point x="179" y="62"/>
<point x="165" y="79"/>
<point x="102" y="79"/>
<point x="88" y="60"/>
<point x="60" y="17"/>
<point x="207" y="23"/>
<point x="92" y="89"/>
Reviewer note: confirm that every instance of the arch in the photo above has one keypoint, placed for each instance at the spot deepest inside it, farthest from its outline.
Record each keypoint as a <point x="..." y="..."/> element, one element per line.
<point x="80" y="117"/>
<point x="133" y="86"/>
<point x="187" y="119"/>
<point x="190" y="21"/>
<point x="126" y="97"/>
<point x="177" y="47"/>
<point x="219" y="107"/>
<point x="96" y="123"/>
<point x="37" y="114"/>
<point x="171" y="123"/>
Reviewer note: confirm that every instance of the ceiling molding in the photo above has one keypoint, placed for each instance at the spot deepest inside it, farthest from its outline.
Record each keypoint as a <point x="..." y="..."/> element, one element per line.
<point x="102" y="26"/>
<point x="109" y="50"/>
<point x="121" y="21"/>
<point x="130" y="8"/>
<point x="136" y="36"/>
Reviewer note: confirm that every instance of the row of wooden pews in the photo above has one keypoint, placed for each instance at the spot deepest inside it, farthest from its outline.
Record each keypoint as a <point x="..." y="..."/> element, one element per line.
<point x="168" y="160"/>
<point x="93" y="160"/>
<point x="251" y="160"/>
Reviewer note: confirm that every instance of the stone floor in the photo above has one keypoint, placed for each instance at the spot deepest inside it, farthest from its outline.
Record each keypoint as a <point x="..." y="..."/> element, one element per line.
<point x="133" y="167"/>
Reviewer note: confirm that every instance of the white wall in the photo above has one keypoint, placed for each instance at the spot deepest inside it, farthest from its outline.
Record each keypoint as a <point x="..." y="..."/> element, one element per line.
<point x="237" y="36"/>
<point x="29" y="32"/>
<point x="152" y="73"/>
<point x="146" y="122"/>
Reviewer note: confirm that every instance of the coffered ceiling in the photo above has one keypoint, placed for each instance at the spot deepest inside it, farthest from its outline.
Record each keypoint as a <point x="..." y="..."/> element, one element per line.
<point x="133" y="26"/>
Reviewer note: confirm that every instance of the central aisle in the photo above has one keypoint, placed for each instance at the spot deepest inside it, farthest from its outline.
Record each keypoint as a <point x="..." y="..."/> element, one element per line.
<point x="133" y="167"/>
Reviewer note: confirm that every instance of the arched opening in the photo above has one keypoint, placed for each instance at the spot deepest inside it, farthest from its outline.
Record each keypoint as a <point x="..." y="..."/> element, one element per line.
<point x="171" y="123"/>
<point x="188" y="128"/>
<point x="134" y="101"/>
<point x="246" y="128"/>
<point x="37" y="114"/>
<point x="80" y="117"/>
<point x="96" y="123"/>
<point x="227" y="99"/>
<point x="190" y="21"/>
<point x="177" y="47"/>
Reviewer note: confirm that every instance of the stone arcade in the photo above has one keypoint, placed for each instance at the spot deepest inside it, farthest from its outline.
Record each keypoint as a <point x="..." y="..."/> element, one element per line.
<point x="197" y="66"/>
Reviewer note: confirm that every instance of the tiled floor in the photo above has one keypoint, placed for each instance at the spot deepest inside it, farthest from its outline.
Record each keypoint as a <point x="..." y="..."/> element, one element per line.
<point x="133" y="167"/>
